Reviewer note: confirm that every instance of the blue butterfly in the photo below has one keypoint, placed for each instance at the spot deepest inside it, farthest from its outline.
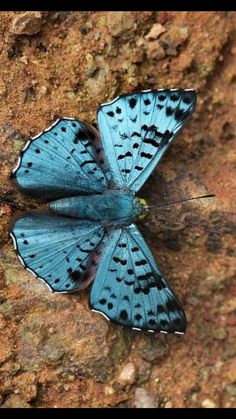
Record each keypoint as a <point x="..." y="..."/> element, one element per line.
<point x="89" y="233"/>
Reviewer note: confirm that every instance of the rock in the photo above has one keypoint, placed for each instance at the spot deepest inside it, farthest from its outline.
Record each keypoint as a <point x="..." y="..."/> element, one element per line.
<point x="144" y="371"/>
<point x="174" y="38"/>
<point x="144" y="399"/>
<point x="12" y="133"/>
<point x="228" y="132"/>
<point x="119" y="23"/>
<point x="26" y="384"/>
<point x="219" y="333"/>
<point x="163" y="17"/>
<point x="43" y="90"/>
<point x="185" y="62"/>
<point x="91" y="66"/>
<point x="231" y="374"/>
<point x="231" y="390"/>
<point x="154" y="350"/>
<point x="156" y="30"/>
<point x="193" y="301"/>
<point x="168" y="404"/>
<point x="6" y="348"/>
<point x="13" y="401"/>
<point x="3" y="322"/>
<point x="207" y="403"/>
<point x="128" y="374"/>
<point x="155" y="50"/>
<point x="28" y="23"/>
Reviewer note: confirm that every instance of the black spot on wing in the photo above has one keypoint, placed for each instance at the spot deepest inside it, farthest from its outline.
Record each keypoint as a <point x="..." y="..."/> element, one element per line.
<point x="141" y="262"/>
<point x="122" y="245"/>
<point x="87" y="162"/>
<point x="144" y="277"/>
<point x="123" y="136"/>
<point x="132" y="102"/>
<point x="118" y="260"/>
<point x="137" y="290"/>
<point x="172" y="306"/>
<point x="129" y="282"/>
<point x="103" y="301"/>
<point x="151" y="141"/>
<point x="122" y="156"/>
<point x="187" y="99"/>
<point x="169" y="111"/>
<point x="135" y="134"/>
<point x="110" y="113"/>
<point x="123" y="315"/>
<point x="164" y="323"/>
<point x="152" y="322"/>
<point x="180" y="114"/>
<point x="146" y="155"/>
<point x="174" y="97"/>
<point x="166" y="136"/>
<point x="160" y="308"/>
<point x="76" y="275"/>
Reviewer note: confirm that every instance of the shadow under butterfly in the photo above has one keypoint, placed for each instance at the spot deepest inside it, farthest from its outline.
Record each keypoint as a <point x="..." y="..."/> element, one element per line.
<point x="91" y="181"/>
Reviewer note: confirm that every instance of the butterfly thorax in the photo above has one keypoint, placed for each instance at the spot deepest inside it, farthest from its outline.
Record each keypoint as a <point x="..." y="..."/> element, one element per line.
<point x="113" y="206"/>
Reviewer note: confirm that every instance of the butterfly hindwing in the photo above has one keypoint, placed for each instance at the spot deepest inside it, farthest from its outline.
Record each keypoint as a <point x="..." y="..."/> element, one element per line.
<point x="130" y="289"/>
<point x="58" y="250"/>
<point x="136" y="130"/>
<point x="61" y="161"/>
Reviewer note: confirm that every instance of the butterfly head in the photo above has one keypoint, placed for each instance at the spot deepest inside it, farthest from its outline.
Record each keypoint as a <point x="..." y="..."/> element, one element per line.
<point x="144" y="207"/>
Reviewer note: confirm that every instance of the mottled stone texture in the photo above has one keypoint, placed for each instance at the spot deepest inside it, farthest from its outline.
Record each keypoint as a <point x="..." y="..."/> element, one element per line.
<point x="54" y="352"/>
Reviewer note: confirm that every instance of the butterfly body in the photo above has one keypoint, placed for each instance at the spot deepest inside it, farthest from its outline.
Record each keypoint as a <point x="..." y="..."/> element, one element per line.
<point x="113" y="207"/>
<point x="92" y="180"/>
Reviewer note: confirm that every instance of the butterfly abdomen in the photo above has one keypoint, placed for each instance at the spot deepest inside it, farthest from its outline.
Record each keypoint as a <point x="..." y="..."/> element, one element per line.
<point x="114" y="206"/>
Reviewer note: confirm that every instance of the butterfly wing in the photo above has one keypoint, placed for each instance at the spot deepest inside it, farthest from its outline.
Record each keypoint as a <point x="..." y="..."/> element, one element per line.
<point x="58" y="250"/>
<point x="136" y="130"/>
<point x="61" y="161"/>
<point x="130" y="289"/>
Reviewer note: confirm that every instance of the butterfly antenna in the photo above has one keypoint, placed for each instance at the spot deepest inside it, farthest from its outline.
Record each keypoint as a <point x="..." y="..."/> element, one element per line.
<point x="180" y="200"/>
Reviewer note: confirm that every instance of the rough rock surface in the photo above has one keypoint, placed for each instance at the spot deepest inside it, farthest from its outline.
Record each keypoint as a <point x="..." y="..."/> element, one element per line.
<point x="28" y="23"/>
<point x="77" y="61"/>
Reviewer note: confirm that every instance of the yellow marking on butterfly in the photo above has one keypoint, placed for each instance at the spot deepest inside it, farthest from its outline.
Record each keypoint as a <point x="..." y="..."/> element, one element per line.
<point x="143" y="202"/>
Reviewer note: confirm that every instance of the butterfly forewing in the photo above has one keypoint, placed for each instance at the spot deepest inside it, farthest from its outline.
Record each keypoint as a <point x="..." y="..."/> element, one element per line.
<point x="136" y="130"/>
<point x="61" y="161"/>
